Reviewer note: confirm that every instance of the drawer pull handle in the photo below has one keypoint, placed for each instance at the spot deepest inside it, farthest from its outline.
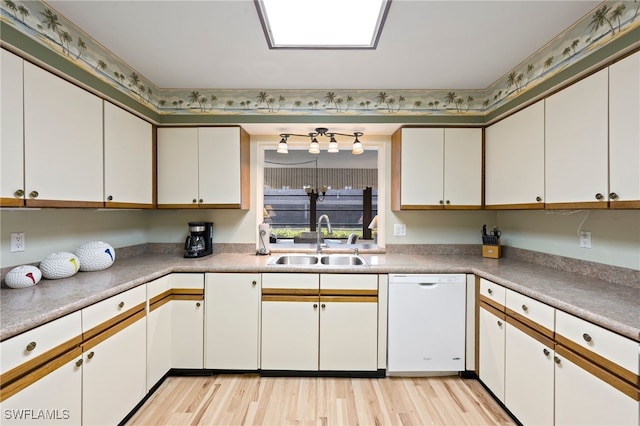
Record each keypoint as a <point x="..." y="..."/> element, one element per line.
<point x="120" y="305"/>
<point x="525" y="308"/>
<point x="31" y="346"/>
<point x="79" y="362"/>
<point x="198" y="304"/>
<point x="556" y="360"/>
<point x="91" y="355"/>
<point x="490" y="291"/>
<point x="545" y="351"/>
<point x="586" y="337"/>
<point x="499" y="323"/>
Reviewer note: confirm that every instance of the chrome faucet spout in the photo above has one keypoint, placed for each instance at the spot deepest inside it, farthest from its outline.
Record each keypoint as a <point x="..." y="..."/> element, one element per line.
<point x="318" y="230"/>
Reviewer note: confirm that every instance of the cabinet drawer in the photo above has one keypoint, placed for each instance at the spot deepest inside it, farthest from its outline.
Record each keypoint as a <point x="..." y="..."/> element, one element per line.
<point x="159" y="286"/>
<point x="348" y="282"/>
<point x="33" y="343"/>
<point x="187" y="280"/>
<point x="107" y="309"/>
<point x="531" y="312"/>
<point x="304" y="281"/>
<point x="493" y="293"/>
<point x="612" y="347"/>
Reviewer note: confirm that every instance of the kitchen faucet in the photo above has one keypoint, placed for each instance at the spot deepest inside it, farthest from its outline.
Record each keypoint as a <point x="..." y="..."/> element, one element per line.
<point x="329" y="230"/>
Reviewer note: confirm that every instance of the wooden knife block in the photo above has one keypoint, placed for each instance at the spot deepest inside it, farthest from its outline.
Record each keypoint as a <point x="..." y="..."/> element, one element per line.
<point x="493" y="252"/>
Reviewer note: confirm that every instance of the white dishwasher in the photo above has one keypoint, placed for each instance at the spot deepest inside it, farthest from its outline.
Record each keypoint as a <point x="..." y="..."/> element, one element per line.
<point x="426" y="324"/>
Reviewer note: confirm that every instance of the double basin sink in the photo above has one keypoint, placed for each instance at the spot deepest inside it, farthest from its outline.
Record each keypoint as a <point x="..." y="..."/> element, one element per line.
<point x="318" y="260"/>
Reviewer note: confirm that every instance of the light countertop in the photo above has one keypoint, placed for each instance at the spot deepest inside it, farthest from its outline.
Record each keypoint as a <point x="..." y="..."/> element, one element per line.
<point x="613" y="306"/>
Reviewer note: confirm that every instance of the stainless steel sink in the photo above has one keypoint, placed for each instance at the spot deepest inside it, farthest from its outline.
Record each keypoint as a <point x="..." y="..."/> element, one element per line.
<point x="342" y="260"/>
<point x="318" y="260"/>
<point x="294" y="259"/>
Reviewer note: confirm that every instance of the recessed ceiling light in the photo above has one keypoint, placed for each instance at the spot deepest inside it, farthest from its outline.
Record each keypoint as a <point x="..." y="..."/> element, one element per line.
<point x="322" y="24"/>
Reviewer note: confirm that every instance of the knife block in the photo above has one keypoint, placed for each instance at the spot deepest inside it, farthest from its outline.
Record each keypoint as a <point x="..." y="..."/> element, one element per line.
<point x="493" y="252"/>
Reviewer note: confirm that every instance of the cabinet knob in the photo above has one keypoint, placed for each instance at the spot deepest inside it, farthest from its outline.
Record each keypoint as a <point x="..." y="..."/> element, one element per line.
<point x="34" y="194"/>
<point x="31" y="346"/>
<point x="545" y="351"/>
<point x="556" y="360"/>
<point x="538" y="199"/>
<point x="525" y="308"/>
<point x="19" y="193"/>
<point x="448" y="202"/>
<point x="599" y="196"/>
<point x="120" y="305"/>
<point x="315" y="305"/>
<point x="323" y="306"/>
<point x="197" y="304"/>
<point x="490" y="291"/>
<point x="91" y="355"/>
<point x="586" y="337"/>
<point x="201" y="201"/>
<point x="441" y="201"/>
<point x="613" y="196"/>
<point x="110" y="198"/>
<point x="499" y="323"/>
<point x="79" y="362"/>
<point x="194" y="201"/>
<point x="254" y="282"/>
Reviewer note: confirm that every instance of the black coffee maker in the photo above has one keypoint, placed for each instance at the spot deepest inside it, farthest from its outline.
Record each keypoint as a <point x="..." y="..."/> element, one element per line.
<point x="199" y="242"/>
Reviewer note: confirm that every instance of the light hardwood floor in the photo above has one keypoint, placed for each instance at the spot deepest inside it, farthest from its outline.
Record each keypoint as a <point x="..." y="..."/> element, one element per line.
<point x="253" y="400"/>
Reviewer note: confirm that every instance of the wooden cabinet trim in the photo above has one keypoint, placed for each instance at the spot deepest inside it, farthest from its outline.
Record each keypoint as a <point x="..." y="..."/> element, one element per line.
<point x="599" y="372"/>
<point x="486" y="301"/>
<point x="289" y="298"/>
<point x="11" y="202"/>
<point x="351" y="299"/>
<point x="63" y="203"/>
<point x="491" y="309"/>
<point x="524" y="206"/>
<point x="624" y="204"/>
<point x="117" y="205"/>
<point x="289" y="292"/>
<point x="599" y="360"/>
<point x="348" y="292"/>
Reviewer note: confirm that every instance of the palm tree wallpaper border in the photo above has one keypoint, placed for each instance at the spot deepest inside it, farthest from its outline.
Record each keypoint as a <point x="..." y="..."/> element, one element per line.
<point x="39" y="21"/>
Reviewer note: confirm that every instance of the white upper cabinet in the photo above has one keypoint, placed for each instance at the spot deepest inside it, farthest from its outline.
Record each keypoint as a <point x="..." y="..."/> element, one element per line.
<point x="514" y="160"/>
<point x="128" y="159"/>
<point x="576" y="145"/>
<point x="62" y="142"/>
<point x="624" y="132"/>
<point x="436" y="168"/>
<point x="11" y="138"/>
<point x="205" y="167"/>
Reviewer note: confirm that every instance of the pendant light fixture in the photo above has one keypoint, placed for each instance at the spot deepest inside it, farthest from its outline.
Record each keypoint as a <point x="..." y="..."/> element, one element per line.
<point x="314" y="146"/>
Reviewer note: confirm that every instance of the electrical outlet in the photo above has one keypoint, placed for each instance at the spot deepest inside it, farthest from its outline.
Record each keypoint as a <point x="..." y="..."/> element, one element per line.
<point x="585" y="239"/>
<point x="399" y="230"/>
<point x="17" y="242"/>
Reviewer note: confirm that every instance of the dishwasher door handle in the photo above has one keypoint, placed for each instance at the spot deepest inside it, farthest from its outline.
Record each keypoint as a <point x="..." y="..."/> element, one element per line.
<point x="428" y="284"/>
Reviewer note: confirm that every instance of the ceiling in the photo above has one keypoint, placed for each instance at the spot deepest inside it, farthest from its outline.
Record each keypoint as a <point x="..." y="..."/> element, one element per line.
<point x="424" y="44"/>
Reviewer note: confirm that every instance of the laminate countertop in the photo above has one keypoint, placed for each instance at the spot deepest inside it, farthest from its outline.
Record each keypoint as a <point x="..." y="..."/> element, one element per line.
<point x="615" y="307"/>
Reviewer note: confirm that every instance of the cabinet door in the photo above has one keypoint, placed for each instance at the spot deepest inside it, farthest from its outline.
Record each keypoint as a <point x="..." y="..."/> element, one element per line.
<point x="348" y="334"/>
<point x="55" y="399"/>
<point x="514" y="160"/>
<point x="584" y="399"/>
<point x="177" y="168"/>
<point x="529" y="378"/>
<point x="158" y="330"/>
<point x="624" y="132"/>
<point x="232" y="321"/>
<point x="128" y="159"/>
<point x="11" y="136"/>
<point x="290" y="333"/>
<point x="422" y="170"/>
<point x="492" y="352"/>
<point x="187" y="334"/>
<point x="219" y="167"/>
<point x="462" y="168"/>
<point x="114" y="376"/>
<point x="63" y="142"/>
<point x="576" y="144"/>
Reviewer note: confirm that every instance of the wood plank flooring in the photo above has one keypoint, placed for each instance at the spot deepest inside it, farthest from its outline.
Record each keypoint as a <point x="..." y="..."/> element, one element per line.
<point x="254" y="400"/>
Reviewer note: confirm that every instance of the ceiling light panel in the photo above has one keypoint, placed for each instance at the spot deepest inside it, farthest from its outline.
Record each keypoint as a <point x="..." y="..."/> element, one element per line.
<point x="322" y="24"/>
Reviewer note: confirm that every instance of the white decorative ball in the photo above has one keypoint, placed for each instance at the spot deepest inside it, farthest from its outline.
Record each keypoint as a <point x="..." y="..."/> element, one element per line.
<point x="23" y="276"/>
<point x="59" y="265"/>
<point x="95" y="256"/>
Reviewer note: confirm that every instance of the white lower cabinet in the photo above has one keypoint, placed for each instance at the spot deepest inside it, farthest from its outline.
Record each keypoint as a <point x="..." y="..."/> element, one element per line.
<point x="232" y="321"/>
<point x="114" y="355"/>
<point x="492" y="351"/>
<point x="158" y="330"/>
<point x="528" y="378"/>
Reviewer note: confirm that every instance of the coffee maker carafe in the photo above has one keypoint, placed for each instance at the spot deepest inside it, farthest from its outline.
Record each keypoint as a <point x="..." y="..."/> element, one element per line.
<point x="199" y="241"/>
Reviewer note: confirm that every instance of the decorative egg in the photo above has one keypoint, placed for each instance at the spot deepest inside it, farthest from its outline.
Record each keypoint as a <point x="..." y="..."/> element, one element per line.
<point x="23" y="276"/>
<point x="59" y="265"/>
<point x="95" y="256"/>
